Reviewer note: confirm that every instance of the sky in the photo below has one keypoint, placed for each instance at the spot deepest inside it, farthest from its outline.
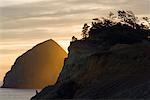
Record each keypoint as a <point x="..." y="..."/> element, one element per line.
<point x="25" y="23"/>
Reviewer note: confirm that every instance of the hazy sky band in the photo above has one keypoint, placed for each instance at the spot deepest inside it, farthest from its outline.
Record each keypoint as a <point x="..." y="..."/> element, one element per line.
<point x="24" y="23"/>
<point x="41" y="18"/>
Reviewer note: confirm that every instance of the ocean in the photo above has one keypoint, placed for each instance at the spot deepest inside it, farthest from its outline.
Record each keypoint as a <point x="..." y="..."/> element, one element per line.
<point x="16" y="94"/>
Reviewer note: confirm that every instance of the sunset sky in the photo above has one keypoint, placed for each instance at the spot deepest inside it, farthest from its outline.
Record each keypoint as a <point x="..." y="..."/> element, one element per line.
<point x="24" y="23"/>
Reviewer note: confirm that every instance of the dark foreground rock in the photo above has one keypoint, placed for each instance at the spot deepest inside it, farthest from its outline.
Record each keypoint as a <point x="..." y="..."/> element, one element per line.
<point x="92" y="72"/>
<point x="36" y="68"/>
<point x="112" y="62"/>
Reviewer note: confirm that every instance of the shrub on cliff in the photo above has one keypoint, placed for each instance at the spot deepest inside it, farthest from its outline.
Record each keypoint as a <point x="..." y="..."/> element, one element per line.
<point x="124" y="27"/>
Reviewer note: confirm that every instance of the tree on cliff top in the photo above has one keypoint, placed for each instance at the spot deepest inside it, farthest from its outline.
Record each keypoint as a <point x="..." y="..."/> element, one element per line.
<point x="74" y="39"/>
<point x="122" y="17"/>
<point x="85" y="31"/>
<point x="124" y="27"/>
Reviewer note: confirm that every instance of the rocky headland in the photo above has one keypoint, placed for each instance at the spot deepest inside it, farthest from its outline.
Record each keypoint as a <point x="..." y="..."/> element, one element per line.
<point x="112" y="63"/>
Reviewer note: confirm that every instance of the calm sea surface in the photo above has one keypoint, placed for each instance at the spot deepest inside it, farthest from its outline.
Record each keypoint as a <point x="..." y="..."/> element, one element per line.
<point x="16" y="94"/>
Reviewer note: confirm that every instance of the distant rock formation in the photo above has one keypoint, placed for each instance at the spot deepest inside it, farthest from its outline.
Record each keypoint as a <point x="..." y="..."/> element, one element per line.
<point x="36" y="68"/>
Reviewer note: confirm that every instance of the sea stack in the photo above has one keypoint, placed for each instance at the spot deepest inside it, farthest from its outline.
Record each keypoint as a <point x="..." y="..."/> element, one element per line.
<point x="36" y="68"/>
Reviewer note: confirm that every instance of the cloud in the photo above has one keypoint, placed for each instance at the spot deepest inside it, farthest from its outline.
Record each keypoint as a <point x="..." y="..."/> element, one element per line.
<point x="57" y="8"/>
<point x="47" y="9"/>
<point x="15" y="2"/>
<point x="41" y="19"/>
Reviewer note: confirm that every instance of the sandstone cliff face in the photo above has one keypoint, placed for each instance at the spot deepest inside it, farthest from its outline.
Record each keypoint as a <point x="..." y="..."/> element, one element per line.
<point x="92" y="71"/>
<point x="36" y="68"/>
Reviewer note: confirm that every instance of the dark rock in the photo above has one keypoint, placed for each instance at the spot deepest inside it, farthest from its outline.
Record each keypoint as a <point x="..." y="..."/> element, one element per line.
<point x="113" y="63"/>
<point x="121" y="72"/>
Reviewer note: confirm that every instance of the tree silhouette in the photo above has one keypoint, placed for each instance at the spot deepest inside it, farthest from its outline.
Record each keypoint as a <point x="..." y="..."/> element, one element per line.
<point x="147" y="20"/>
<point x="127" y="17"/>
<point x="85" y="31"/>
<point x="124" y="27"/>
<point x="122" y="15"/>
<point x="74" y="38"/>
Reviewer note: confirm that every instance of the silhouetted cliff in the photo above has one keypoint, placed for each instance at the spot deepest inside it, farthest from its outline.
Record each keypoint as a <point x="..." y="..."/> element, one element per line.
<point x="36" y="68"/>
<point x="123" y="71"/>
<point x="113" y="62"/>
